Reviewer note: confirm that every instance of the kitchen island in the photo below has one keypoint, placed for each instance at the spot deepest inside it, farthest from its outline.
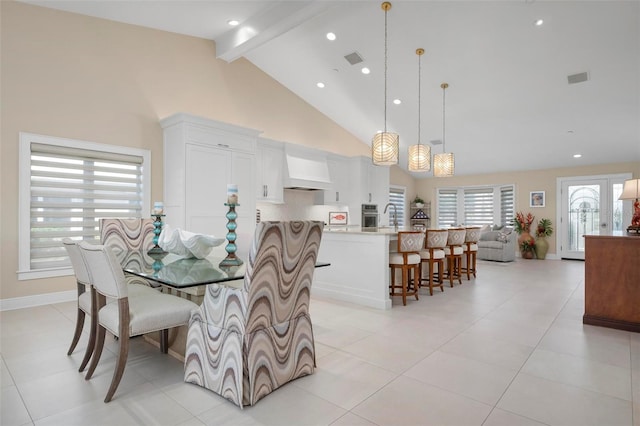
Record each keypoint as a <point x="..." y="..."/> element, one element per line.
<point x="359" y="271"/>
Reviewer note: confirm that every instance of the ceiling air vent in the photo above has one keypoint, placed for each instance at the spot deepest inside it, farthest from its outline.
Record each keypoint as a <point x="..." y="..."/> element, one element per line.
<point x="578" y="78"/>
<point x="353" y="58"/>
<point x="436" y="142"/>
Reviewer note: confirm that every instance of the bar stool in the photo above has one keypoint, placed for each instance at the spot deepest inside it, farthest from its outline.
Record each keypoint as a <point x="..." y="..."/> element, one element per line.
<point x="470" y="247"/>
<point x="407" y="258"/>
<point x="433" y="253"/>
<point x="453" y="253"/>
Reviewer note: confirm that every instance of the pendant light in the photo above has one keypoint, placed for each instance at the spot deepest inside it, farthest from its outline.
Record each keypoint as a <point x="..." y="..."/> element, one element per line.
<point x="384" y="146"/>
<point x="443" y="164"/>
<point x="419" y="155"/>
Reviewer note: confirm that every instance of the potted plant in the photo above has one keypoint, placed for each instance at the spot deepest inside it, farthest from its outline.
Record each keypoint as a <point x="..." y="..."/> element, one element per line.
<point x="419" y="202"/>
<point x="528" y="248"/>
<point x="543" y="230"/>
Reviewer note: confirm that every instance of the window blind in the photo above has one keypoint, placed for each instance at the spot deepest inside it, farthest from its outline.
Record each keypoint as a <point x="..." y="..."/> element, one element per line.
<point x="70" y="189"/>
<point x="478" y="206"/>
<point x="507" y="205"/>
<point x="447" y="208"/>
<point x="397" y="198"/>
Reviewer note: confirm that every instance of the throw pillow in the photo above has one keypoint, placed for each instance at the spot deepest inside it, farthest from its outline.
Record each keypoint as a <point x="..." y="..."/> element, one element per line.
<point x="503" y="236"/>
<point x="489" y="236"/>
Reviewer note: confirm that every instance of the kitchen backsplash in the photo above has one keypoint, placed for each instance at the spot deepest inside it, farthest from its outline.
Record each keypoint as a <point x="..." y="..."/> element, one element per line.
<point x="298" y="205"/>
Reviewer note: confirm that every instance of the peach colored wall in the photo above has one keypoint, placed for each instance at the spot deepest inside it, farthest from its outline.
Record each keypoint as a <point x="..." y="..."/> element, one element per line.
<point x="84" y="78"/>
<point x="525" y="182"/>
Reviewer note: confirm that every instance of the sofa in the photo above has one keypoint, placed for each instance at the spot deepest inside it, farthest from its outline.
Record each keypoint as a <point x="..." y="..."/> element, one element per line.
<point x="497" y="244"/>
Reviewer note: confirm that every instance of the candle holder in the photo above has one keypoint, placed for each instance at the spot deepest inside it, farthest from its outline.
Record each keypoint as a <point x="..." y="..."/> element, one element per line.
<point x="157" y="229"/>
<point x="231" y="259"/>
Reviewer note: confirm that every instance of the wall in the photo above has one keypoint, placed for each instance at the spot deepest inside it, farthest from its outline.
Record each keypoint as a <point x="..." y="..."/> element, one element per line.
<point x="525" y="182"/>
<point x="84" y="78"/>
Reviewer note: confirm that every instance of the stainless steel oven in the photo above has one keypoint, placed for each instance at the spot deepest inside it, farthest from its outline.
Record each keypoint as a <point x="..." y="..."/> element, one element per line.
<point x="369" y="215"/>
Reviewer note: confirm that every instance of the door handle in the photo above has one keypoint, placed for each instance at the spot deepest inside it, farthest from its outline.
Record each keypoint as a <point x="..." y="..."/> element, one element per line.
<point x="603" y="225"/>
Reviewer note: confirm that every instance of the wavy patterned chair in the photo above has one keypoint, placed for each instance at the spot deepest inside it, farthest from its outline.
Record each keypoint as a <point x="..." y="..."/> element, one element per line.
<point x="129" y="239"/>
<point x="243" y="343"/>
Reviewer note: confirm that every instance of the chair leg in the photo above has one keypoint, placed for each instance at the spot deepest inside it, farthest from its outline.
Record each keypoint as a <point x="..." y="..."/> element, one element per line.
<point x="123" y="353"/>
<point x="430" y="277"/>
<point x="164" y="341"/>
<point x="97" y="352"/>
<point x="78" y="332"/>
<point x="405" y="278"/>
<point x="468" y="259"/>
<point x="92" y="332"/>
<point x="473" y="262"/>
<point x="416" y="278"/>
<point x="451" y="264"/>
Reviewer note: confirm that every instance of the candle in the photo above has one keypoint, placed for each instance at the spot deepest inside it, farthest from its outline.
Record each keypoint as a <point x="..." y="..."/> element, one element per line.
<point x="232" y="193"/>
<point x="158" y="207"/>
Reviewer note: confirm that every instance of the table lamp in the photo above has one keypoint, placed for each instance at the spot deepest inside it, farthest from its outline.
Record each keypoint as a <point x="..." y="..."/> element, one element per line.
<point x="631" y="191"/>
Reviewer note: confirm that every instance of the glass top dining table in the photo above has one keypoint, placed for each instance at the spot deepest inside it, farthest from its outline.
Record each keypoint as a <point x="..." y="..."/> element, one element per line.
<point x="179" y="272"/>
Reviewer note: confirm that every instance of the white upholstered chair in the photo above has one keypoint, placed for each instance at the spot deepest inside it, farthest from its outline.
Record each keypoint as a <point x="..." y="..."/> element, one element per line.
<point x="127" y="316"/>
<point x="407" y="259"/>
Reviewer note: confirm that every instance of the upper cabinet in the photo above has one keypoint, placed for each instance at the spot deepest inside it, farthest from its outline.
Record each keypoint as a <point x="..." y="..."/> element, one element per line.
<point x="339" y="193"/>
<point x="371" y="182"/>
<point x="201" y="157"/>
<point x="269" y="171"/>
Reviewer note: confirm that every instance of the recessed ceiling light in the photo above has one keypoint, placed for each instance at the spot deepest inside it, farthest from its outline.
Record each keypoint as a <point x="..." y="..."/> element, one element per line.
<point x="397" y="101"/>
<point x="331" y="36"/>
<point x="538" y="22"/>
<point x="365" y="70"/>
<point x="320" y="85"/>
<point x="577" y="155"/>
<point x="233" y="22"/>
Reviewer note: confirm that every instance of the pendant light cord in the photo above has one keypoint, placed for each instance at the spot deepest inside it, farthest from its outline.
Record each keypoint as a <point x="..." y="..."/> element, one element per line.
<point x="385" y="71"/>
<point x="419" y="91"/>
<point x="444" y="88"/>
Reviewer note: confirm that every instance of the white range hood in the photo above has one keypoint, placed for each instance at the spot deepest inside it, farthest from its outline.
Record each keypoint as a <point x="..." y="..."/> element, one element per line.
<point x="306" y="169"/>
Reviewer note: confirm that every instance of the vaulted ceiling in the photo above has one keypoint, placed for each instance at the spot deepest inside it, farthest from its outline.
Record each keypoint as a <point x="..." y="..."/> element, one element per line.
<point x="509" y="105"/>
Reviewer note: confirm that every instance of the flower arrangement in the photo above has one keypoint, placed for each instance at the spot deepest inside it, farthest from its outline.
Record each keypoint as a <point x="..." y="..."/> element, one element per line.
<point x="522" y="223"/>
<point x="528" y="245"/>
<point x="544" y="228"/>
<point x="419" y="202"/>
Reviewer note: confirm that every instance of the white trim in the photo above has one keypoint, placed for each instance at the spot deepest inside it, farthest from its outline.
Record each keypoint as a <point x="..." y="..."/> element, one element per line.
<point x="44" y="273"/>
<point x="37" y="300"/>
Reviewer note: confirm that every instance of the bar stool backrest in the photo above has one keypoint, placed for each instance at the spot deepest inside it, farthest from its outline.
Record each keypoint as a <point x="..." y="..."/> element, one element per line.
<point x="472" y="235"/>
<point x="436" y="238"/>
<point x="456" y="236"/>
<point x="410" y="241"/>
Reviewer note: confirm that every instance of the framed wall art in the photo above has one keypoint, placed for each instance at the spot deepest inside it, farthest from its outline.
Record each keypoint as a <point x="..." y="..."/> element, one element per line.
<point x="338" y="218"/>
<point x="536" y="199"/>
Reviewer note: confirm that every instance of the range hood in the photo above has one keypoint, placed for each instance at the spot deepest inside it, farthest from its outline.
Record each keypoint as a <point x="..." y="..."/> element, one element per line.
<point x="306" y="169"/>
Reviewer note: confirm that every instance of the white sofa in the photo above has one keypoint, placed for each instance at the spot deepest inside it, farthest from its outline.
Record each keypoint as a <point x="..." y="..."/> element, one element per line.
<point x="498" y="245"/>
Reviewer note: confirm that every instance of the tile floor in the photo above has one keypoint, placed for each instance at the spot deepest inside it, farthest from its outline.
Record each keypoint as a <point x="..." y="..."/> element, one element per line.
<point x="507" y="348"/>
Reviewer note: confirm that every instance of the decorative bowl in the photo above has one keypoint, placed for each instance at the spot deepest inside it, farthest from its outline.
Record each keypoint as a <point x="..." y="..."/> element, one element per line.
<point x="187" y="244"/>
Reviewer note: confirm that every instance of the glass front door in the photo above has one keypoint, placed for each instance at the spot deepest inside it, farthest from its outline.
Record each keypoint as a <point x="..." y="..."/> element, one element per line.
<point x="589" y="207"/>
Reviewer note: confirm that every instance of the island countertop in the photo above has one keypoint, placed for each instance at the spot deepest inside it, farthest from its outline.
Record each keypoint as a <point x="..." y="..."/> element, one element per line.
<point x="358" y="230"/>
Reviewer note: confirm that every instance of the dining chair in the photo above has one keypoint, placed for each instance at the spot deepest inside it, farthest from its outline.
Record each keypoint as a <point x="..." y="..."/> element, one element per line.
<point x="245" y="342"/>
<point x="407" y="259"/>
<point x="84" y="303"/>
<point x="130" y="240"/>
<point x="433" y="254"/>
<point x="126" y="316"/>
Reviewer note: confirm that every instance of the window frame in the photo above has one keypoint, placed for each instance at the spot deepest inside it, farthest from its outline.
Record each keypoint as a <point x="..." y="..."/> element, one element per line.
<point x="24" y="194"/>
<point x="403" y="219"/>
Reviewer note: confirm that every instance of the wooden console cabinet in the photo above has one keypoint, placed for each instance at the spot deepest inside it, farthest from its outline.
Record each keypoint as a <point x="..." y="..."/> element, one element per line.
<point x="612" y="282"/>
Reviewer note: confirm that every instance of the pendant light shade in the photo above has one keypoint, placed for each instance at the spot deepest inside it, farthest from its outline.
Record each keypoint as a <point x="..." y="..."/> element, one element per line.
<point x="443" y="164"/>
<point x="419" y="155"/>
<point x="384" y="146"/>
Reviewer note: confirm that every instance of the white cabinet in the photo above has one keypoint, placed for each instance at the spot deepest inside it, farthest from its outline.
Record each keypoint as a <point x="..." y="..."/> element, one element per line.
<point x="269" y="171"/>
<point x="201" y="157"/>
<point x="339" y="193"/>
<point x="370" y="185"/>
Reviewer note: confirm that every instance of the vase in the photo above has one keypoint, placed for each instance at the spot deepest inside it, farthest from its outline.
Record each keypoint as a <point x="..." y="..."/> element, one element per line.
<point x="542" y="247"/>
<point x="527" y="254"/>
<point x="524" y="236"/>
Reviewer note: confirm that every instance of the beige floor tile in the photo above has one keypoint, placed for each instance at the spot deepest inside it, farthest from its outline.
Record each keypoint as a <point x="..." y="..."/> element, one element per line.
<point x="345" y="380"/>
<point x="556" y="403"/>
<point x="590" y="375"/>
<point x="194" y="398"/>
<point x="463" y="376"/>
<point x="13" y="410"/>
<point x="350" y="419"/>
<point x="406" y="401"/>
<point x="6" y="379"/>
<point x="500" y="417"/>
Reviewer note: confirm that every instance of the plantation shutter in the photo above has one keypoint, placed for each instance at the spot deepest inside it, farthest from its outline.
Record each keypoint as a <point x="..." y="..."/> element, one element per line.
<point x="447" y="207"/>
<point x="478" y="206"/>
<point x="71" y="189"/>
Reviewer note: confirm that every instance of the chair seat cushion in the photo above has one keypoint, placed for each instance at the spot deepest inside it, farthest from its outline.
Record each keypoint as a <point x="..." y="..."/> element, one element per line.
<point x="471" y="247"/>
<point x="437" y="254"/>
<point x="456" y="250"/>
<point x="398" y="259"/>
<point x="136" y="290"/>
<point x="84" y="301"/>
<point x="149" y="313"/>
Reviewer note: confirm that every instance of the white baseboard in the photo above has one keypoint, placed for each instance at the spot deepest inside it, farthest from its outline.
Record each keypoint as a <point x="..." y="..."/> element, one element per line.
<point x="37" y="300"/>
